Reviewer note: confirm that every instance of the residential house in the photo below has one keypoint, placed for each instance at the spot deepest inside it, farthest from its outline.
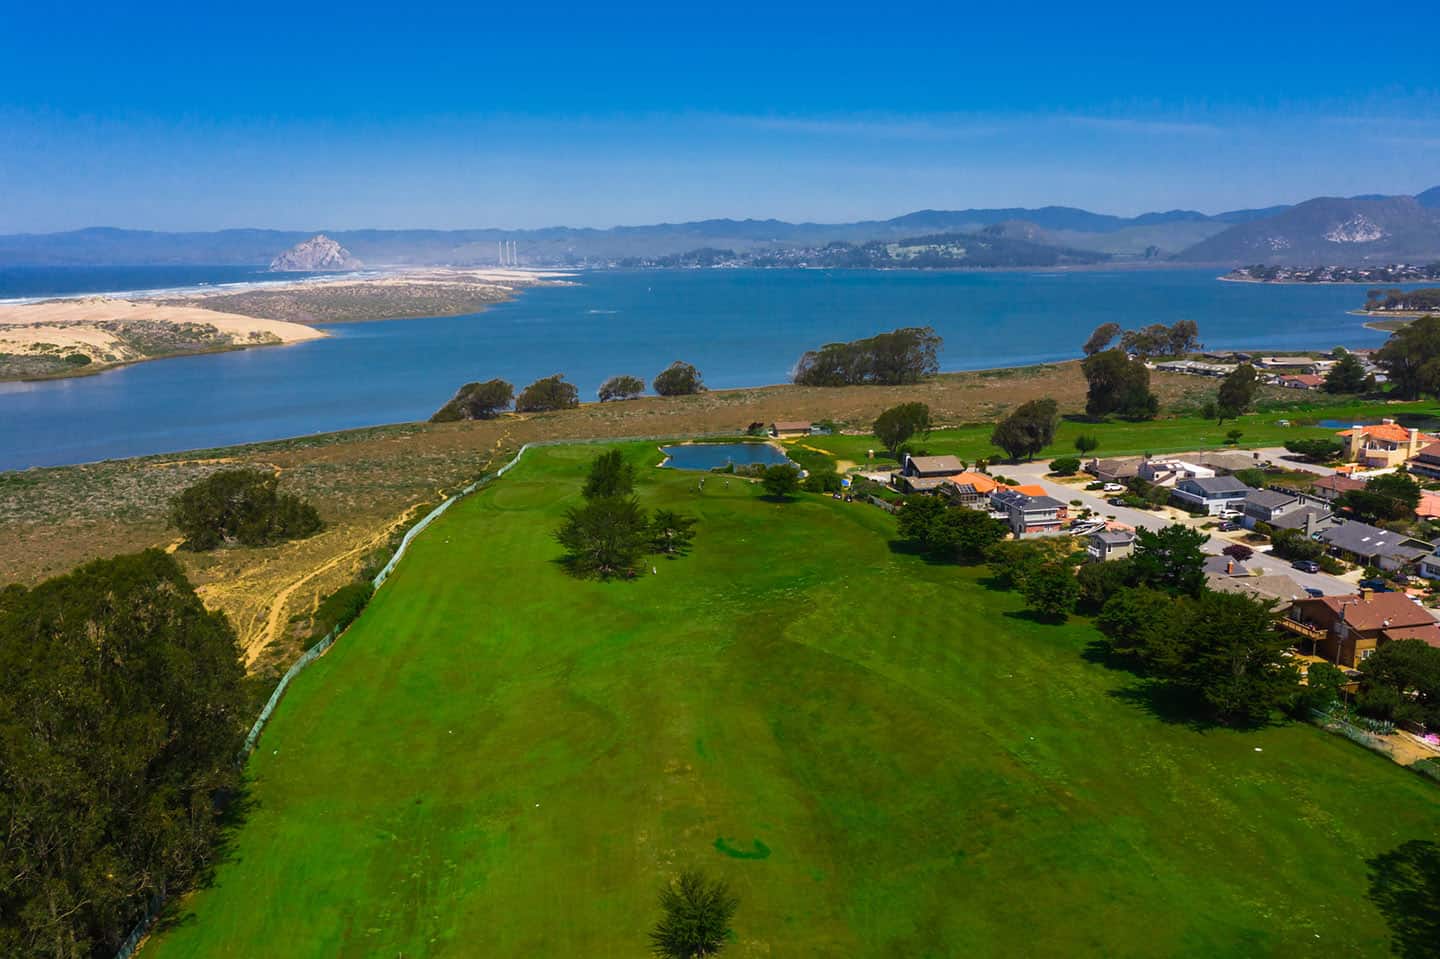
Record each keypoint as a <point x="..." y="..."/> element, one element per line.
<point x="1168" y="472"/>
<point x="1383" y="445"/>
<point x="1347" y="630"/>
<point x="1291" y="364"/>
<point x="1268" y="505"/>
<point x="1426" y="462"/>
<point x="1030" y="514"/>
<point x="1222" y="565"/>
<point x="1195" y="367"/>
<point x="1225" y="462"/>
<point x="1114" y="470"/>
<point x="1300" y="381"/>
<point x="1270" y="587"/>
<point x="1216" y="495"/>
<point x="1106" y="544"/>
<point x="1310" y="518"/>
<point x="969" y="489"/>
<point x="926" y="474"/>
<point x="1429" y="505"/>
<point x="1333" y="487"/>
<point x="1430" y="565"/>
<point x="1371" y="546"/>
<point x="782" y="429"/>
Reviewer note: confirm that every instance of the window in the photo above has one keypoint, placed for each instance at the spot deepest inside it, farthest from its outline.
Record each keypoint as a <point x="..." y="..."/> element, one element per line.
<point x="1365" y="654"/>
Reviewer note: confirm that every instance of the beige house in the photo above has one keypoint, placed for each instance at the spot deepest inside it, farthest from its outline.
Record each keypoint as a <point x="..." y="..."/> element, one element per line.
<point x="1383" y="445"/>
<point x="783" y="429"/>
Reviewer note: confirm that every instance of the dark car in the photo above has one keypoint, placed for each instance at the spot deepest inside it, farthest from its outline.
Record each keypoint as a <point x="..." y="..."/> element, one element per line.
<point x="1228" y="527"/>
<point x="1377" y="585"/>
<point x="1312" y="591"/>
<point x="1306" y="566"/>
<point x="1116" y="501"/>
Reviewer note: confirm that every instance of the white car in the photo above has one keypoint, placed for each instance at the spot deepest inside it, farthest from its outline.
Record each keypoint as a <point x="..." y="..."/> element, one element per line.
<point x="1114" y="488"/>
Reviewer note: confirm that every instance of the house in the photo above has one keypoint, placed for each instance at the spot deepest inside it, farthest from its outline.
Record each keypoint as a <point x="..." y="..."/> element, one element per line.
<point x="1114" y="470"/>
<point x="926" y="474"/>
<point x="1311" y="519"/>
<point x="1268" y="505"/>
<point x="1333" y="487"/>
<point x="1168" y="472"/>
<point x="1216" y="495"/>
<point x="1225" y="463"/>
<point x="1371" y="546"/>
<point x="1426" y="462"/>
<point x="969" y="489"/>
<point x="1110" y="544"/>
<point x="1195" y="367"/>
<point x="1300" y="381"/>
<point x="1430" y="565"/>
<point x="1384" y="444"/>
<point x="1429" y="506"/>
<point x="1347" y="630"/>
<point x="1271" y="587"/>
<point x="782" y="429"/>
<point x="1223" y="565"/>
<point x="1029" y="514"/>
<point x="1290" y="364"/>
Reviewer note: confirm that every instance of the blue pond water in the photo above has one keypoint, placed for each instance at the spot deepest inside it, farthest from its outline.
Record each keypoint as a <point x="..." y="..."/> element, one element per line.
<point x="707" y="456"/>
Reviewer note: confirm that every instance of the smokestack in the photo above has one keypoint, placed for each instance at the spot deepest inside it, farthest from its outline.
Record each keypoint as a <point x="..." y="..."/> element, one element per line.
<point x="1365" y="594"/>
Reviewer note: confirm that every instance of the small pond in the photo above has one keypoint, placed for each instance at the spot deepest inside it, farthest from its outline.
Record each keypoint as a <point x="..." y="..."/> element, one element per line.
<point x="708" y="456"/>
<point x="1344" y="424"/>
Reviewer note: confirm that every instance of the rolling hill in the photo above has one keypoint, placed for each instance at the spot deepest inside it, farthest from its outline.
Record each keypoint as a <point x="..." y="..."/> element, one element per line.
<point x="1330" y="230"/>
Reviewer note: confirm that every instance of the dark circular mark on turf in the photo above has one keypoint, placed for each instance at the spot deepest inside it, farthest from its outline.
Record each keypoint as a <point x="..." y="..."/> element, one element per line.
<point x="757" y="850"/>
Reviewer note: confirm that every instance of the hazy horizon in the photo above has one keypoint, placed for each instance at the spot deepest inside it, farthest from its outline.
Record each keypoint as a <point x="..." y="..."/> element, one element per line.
<point x="186" y="120"/>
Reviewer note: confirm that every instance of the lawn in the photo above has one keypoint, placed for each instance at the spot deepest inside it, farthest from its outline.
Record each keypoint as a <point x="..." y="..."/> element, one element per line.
<point x="883" y="756"/>
<point x="1169" y="434"/>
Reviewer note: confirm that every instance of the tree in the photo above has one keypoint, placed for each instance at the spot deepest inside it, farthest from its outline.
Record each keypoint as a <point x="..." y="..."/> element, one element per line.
<point x="547" y="394"/>
<point x="1100" y="581"/>
<point x="780" y="480"/>
<point x="1390" y="496"/>
<point x="1237" y="392"/>
<point x="610" y="475"/>
<point x="1347" y="375"/>
<point x="1232" y="437"/>
<point x="673" y="532"/>
<point x="1065" y="466"/>
<point x="1411" y="358"/>
<point x="1234" y="656"/>
<point x="1170" y="559"/>
<point x="1086" y="443"/>
<point x="888" y="359"/>
<point x="1137" y="622"/>
<point x="1029" y="429"/>
<point x="1101" y="339"/>
<point x="605" y="537"/>
<point x="241" y="506"/>
<point x="953" y="532"/>
<point x="897" y="424"/>
<point x="1184" y="337"/>
<point x="620" y="388"/>
<point x="1323" y="683"/>
<point x="678" y="379"/>
<point x="1411" y="668"/>
<point x="1238" y="552"/>
<point x="696" y="917"/>
<point x="1051" y="590"/>
<point x="1318" y="451"/>
<point x="476" y="401"/>
<point x="121" y="714"/>
<point x="1119" y="385"/>
<point x="1014" y="560"/>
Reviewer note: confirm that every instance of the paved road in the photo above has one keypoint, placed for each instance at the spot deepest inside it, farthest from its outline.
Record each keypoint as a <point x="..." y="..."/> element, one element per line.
<point x="1144" y="519"/>
<point x="1278" y="454"/>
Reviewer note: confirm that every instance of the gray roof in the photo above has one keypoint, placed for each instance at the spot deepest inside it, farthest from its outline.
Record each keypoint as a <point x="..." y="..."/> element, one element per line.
<point x="1295" y="519"/>
<point x="1362" y="539"/>
<point x="1228" y="460"/>
<point x="1019" y="500"/>
<point x="1113" y="537"/>
<point x="934" y="465"/>
<point x="1269" y="498"/>
<point x="1217" y="484"/>
<point x="1221" y="566"/>
<point x="1270" y="586"/>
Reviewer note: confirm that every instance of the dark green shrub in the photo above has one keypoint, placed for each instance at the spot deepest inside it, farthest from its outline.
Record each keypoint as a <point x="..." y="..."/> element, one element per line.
<point x="240" y="506"/>
<point x="340" y="609"/>
<point x="1065" y="466"/>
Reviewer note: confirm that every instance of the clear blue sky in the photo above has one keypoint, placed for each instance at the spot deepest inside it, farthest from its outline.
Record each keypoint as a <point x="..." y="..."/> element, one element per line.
<point x="334" y="115"/>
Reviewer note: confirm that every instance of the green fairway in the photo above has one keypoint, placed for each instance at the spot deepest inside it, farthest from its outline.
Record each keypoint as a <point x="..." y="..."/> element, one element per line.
<point x="882" y="756"/>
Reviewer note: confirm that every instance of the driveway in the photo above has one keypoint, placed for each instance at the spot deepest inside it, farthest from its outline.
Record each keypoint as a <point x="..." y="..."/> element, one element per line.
<point x="1144" y="519"/>
<point x="1280" y="456"/>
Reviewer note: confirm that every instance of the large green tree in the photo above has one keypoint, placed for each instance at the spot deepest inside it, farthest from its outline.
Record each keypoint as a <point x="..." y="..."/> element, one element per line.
<point x="241" y="506"/>
<point x="1170" y="559"/>
<point x="1237" y="392"/>
<point x="781" y="480"/>
<point x="476" y="401"/>
<point x="1117" y="384"/>
<point x="678" y="379"/>
<point x="1411" y="669"/>
<point x="1411" y="358"/>
<point x="672" y="532"/>
<point x="1029" y="429"/>
<point x="606" y="537"/>
<point x="1389" y="496"/>
<point x="952" y="532"/>
<point x="696" y="913"/>
<point x="1102" y="337"/>
<point x="547" y="394"/>
<point x="121" y="716"/>
<point x="1052" y="590"/>
<point x="610" y="475"/>
<point x="620" y="388"/>
<point x="1347" y="375"/>
<point x="887" y="359"/>
<point x="894" y="427"/>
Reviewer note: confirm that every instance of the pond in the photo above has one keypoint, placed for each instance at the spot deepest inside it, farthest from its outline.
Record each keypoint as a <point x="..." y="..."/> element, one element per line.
<point x="709" y="456"/>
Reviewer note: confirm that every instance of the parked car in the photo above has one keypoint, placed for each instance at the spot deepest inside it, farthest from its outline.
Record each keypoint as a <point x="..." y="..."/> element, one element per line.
<point x="1116" y="501"/>
<point x="1378" y="585"/>
<point x="1228" y="527"/>
<point x="1317" y="593"/>
<point x="1114" y="488"/>
<point x="1306" y="566"/>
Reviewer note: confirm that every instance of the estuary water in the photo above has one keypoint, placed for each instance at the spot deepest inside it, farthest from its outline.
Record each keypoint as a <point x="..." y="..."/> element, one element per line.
<point x="740" y="327"/>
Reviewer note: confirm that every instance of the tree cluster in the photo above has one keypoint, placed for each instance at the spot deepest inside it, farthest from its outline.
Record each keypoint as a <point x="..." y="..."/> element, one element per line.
<point x="1411" y="358"/>
<point x="476" y="401"/>
<point x="949" y="532"/>
<point x="1317" y="451"/>
<point x="120" y="723"/>
<point x="1156" y="339"/>
<point x="1028" y="430"/>
<point x="611" y="532"/>
<point x="620" y="388"/>
<point x="678" y="379"/>
<point x="887" y="359"/>
<point x="241" y="506"/>
<point x="894" y="427"/>
<point x="1402" y="682"/>
<point x="1119" y="385"/>
<point x="1390" y="496"/>
<point x="548" y="394"/>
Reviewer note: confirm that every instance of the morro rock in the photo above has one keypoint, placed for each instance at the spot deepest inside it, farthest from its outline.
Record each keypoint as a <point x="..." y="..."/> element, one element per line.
<point x="317" y="253"/>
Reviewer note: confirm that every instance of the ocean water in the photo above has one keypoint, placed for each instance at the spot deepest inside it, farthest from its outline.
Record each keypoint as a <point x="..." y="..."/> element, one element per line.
<point x="740" y="327"/>
<point x="39" y="282"/>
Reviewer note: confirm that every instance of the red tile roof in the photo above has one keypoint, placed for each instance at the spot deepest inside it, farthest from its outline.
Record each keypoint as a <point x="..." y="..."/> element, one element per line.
<point x="1390" y="432"/>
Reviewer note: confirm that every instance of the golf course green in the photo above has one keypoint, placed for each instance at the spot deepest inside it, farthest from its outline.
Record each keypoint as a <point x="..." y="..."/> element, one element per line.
<point x="883" y="756"/>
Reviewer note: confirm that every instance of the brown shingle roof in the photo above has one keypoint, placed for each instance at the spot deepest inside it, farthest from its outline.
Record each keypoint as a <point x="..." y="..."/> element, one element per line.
<point x="1379" y="611"/>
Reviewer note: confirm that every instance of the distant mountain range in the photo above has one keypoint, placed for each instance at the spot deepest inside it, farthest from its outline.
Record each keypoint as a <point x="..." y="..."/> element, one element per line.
<point x="1326" y="230"/>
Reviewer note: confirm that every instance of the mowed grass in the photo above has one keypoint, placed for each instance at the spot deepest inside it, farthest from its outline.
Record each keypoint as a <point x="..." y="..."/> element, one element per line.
<point x="883" y="756"/>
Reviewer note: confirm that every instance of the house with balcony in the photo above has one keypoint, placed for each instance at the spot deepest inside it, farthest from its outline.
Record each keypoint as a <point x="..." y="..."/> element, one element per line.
<point x="1426" y="462"/>
<point x="1383" y="445"/>
<point x="970" y="489"/>
<point x="1216" y="495"/>
<point x="1029" y="514"/>
<point x="1346" y="630"/>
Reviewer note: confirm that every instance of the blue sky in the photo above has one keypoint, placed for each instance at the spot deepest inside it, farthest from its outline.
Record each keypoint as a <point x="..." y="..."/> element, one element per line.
<point x="334" y="116"/>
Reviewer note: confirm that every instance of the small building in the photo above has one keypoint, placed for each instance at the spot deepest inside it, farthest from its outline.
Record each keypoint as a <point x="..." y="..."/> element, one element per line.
<point x="1429" y="505"/>
<point x="1300" y="381"/>
<point x="1372" y="546"/>
<point x="1105" y="544"/>
<point x="1216" y="495"/>
<point x="1331" y="488"/>
<point x="1426" y="462"/>
<point x="1383" y="445"/>
<point x="782" y="429"/>
<point x="1347" y="630"/>
<point x="1114" y="470"/>
<point x="1028" y="514"/>
<point x="926" y="474"/>
<point x="1168" y="472"/>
